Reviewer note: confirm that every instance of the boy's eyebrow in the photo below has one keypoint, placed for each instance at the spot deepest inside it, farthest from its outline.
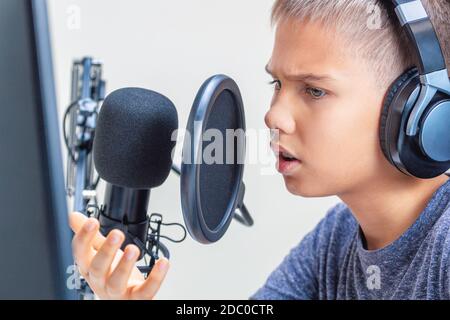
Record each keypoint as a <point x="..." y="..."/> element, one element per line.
<point x="303" y="76"/>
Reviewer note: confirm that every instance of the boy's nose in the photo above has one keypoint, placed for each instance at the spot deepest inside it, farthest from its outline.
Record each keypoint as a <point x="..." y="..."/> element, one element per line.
<point x="280" y="119"/>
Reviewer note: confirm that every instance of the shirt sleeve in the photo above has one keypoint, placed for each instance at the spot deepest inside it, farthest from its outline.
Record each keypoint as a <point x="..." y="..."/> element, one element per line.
<point x="296" y="278"/>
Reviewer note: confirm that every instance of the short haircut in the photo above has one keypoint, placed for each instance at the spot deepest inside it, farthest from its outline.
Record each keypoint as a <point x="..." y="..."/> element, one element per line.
<point x="382" y="43"/>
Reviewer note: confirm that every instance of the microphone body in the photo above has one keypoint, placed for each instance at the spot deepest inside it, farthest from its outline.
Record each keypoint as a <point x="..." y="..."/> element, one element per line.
<point x="133" y="153"/>
<point x="126" y="209"/>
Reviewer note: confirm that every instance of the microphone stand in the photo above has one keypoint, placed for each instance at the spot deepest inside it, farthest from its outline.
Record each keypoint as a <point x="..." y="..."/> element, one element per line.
<point x="87" y="93"/>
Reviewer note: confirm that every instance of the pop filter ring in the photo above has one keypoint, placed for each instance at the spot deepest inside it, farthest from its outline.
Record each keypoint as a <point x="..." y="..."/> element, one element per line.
<point x="190" y="172"/>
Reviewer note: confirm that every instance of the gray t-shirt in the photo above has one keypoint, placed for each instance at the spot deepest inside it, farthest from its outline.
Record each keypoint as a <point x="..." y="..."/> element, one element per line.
<point x="331" y="262"/>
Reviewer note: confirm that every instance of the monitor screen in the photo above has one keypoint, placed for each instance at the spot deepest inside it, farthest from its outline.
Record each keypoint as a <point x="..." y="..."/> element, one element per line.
<point x="34" y="233"/>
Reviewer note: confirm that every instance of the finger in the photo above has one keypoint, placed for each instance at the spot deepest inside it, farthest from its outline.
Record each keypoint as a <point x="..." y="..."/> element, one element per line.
<point x="152" y="284"/>
<point x="82" y="244"/>
<point x="117" y="283"/>
<point x="100" y="266"/>
<point x="77" y="220"/>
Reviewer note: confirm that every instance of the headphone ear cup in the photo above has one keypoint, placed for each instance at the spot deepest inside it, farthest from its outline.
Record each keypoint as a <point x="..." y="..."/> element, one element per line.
<point x="402" y="151"/>
<point x="386" y="135"/>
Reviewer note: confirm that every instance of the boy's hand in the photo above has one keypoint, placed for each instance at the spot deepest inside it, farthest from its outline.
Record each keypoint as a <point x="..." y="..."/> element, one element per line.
<point x="110" y="272"/>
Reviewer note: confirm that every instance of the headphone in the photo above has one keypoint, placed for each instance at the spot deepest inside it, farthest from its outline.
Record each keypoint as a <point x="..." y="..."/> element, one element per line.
<point x="415" y="119"/>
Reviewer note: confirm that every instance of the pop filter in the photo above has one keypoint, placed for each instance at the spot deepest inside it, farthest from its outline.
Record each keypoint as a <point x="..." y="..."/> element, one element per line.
<point x="212" y="165"/>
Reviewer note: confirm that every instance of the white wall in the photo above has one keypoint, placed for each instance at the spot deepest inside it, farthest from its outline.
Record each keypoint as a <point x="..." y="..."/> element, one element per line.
<point x="172" y="47"/>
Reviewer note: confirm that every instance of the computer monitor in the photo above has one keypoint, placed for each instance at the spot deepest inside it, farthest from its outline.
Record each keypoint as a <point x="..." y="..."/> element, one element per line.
<point x="34" y="234"/>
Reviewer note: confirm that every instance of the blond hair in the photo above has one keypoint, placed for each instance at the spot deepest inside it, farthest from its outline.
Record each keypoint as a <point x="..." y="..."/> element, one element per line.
<point x="382" y="43"/>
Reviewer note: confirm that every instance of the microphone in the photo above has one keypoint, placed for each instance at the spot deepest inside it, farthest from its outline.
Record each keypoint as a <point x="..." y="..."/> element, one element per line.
<point x="133" y="153"/>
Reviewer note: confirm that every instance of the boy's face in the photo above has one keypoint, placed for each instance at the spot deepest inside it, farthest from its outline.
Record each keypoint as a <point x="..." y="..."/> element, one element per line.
<point x="326" y="107"/>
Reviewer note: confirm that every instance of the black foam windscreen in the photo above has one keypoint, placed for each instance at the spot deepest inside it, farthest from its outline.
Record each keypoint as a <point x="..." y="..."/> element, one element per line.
<point x="133" y="140"/>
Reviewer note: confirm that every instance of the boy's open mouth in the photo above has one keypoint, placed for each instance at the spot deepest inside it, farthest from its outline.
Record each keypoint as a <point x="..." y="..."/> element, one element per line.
<point x="282" y="153"/>
<point x="287" y="156"/>
<point x="287" y="162"/>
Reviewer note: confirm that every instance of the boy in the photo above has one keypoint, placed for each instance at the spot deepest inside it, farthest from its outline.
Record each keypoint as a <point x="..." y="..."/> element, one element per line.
<point x="389" y="238"/>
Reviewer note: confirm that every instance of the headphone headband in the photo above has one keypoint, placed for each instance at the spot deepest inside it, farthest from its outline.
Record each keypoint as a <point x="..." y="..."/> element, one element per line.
<point x="431" y="63"/>
<point x="420" y="30"/>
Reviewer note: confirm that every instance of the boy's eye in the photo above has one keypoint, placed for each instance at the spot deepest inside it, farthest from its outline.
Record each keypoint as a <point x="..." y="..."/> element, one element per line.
<point x="276" y="84"/>
<point x="315" y="93"/>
